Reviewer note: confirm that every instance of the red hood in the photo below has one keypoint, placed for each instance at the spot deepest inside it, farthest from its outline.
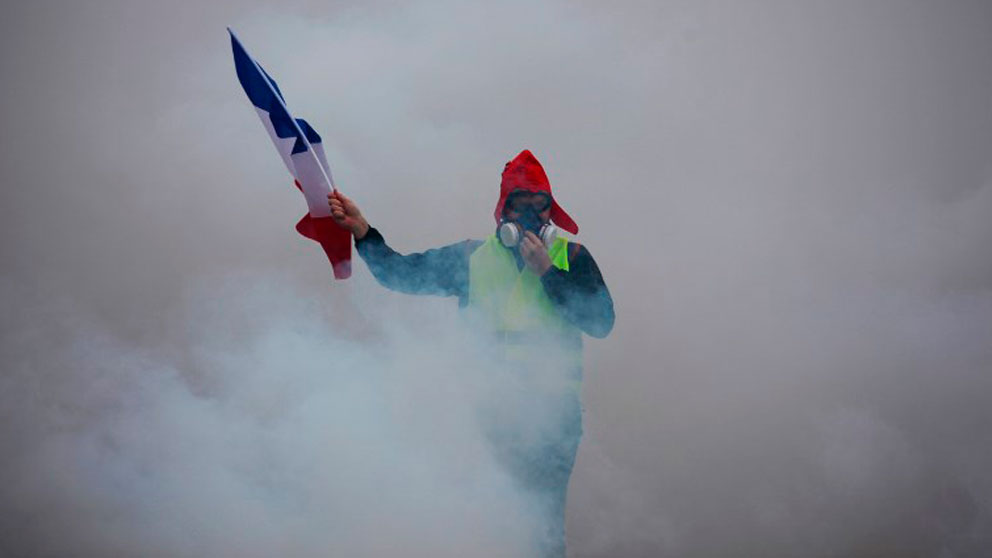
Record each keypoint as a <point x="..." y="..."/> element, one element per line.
<point x="524" y="172"/>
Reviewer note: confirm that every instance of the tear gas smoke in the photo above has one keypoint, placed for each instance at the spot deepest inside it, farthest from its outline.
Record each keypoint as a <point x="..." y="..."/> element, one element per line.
<point x="270" y="436"/>
<point x="789" y="203"/>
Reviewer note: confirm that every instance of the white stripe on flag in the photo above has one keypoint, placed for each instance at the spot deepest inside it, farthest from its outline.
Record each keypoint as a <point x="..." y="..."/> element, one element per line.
<point x="303" y="167"/>
<point x="283" y="145"/>
<point x="315" y="187"/>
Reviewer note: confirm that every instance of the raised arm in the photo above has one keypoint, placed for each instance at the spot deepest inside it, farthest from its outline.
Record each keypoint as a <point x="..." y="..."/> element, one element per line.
<point x="440" y="271"/>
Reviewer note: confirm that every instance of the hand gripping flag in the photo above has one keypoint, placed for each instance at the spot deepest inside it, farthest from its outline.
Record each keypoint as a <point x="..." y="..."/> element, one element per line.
<point x="301" y="149"/>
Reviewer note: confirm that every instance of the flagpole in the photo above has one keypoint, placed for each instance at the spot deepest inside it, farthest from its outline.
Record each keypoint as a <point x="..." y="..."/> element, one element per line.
<point x="296" y="124"/>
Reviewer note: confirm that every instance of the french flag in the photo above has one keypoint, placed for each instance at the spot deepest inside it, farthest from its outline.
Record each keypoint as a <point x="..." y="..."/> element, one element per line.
<point x="302" y="152"/>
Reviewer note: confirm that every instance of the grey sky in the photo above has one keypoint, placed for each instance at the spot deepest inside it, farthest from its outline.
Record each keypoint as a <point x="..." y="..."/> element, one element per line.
<point x="789" y="201"/>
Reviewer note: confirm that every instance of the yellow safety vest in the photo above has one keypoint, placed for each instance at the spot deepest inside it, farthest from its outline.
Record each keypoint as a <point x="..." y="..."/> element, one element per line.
<point x="518" y="310"/>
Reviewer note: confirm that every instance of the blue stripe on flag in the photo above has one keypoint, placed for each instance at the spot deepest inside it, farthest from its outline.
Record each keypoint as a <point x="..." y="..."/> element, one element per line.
<point x="260" y="95"/>
<point x="273" y="82"/>
<point x="252" y="81"/>
<point x="312" y="137"/>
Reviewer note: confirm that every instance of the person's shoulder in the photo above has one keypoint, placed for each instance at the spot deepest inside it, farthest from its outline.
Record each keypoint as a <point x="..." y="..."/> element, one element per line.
<point x="577" y="250"/>
<point x="470" y="244"/>
<point x="465" y="247"/>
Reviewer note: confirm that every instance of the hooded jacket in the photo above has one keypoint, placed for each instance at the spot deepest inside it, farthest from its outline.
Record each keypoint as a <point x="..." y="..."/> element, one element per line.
<point x="525" y="173"/>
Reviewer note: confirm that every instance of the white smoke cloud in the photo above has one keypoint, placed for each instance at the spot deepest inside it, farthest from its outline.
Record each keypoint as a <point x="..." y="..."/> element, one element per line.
<point x="788" y="202"/>
<point x="271" y="435"/>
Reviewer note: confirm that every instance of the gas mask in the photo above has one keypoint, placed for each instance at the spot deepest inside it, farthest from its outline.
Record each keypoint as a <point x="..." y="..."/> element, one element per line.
<point x="512" y="232"/>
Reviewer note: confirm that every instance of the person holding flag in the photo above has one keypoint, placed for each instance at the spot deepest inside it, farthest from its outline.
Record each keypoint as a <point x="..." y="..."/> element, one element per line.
<point x="533" y="293"/>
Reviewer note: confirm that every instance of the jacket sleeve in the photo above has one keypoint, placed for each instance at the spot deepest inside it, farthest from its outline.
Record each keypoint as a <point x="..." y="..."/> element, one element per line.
<point x="581" y="294"/>
<point x="440" y="271"/>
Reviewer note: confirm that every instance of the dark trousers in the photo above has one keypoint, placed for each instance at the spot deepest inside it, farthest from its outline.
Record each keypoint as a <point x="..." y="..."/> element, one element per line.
<point x="537" y="447"/>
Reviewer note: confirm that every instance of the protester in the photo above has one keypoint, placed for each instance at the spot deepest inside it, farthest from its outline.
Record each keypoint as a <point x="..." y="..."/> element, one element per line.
<point x="531" y="293"/>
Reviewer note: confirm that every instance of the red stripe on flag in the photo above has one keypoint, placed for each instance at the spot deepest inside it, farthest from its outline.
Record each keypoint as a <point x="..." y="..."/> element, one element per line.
<point x="335" y="241"/>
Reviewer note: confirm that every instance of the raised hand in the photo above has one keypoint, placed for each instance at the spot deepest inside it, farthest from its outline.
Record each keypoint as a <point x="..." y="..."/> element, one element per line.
<point x="346" y="214"/>
<point x="535" y="253"/>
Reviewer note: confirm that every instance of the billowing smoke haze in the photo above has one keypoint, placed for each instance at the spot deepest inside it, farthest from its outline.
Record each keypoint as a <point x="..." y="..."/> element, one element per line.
<point x="791" y="203"/>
